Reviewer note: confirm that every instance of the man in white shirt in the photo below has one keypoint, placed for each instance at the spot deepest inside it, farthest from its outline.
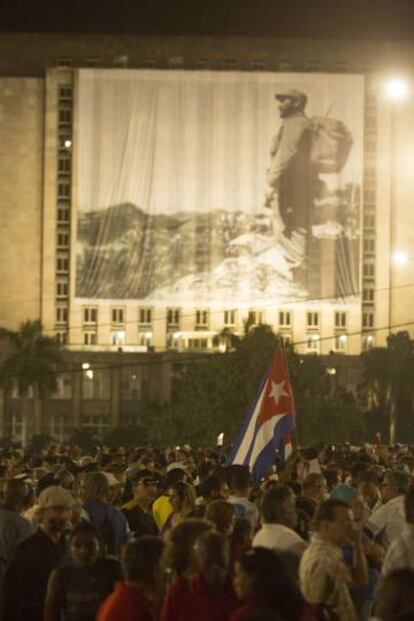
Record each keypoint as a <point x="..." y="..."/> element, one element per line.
<point x="400" y="554"/>
<point x="387" y="522"/>
<point x="240" y="489"/>
<point x="279" y="518"/>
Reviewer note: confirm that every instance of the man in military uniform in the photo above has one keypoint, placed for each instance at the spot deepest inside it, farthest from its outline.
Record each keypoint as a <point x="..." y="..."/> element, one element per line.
<point x="292" y="178"/>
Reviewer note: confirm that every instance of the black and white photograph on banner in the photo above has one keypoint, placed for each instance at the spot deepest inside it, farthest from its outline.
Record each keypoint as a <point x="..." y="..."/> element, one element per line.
<point x="218" y="187"/>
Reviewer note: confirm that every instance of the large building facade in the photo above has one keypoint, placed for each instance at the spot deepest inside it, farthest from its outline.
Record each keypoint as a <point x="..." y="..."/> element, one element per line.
<point x="51" y="162"/>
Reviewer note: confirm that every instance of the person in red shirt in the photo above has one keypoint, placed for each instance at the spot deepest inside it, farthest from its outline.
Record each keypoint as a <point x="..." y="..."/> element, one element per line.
<point x="137" y="598"/>
<point x="207" y="595"/>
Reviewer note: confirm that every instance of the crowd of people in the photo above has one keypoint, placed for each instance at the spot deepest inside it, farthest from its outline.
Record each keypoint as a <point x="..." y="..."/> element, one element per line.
<point x="143" y="534"/>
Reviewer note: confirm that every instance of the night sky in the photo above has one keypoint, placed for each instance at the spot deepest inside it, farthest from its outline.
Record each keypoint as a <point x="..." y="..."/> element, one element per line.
<point x="381" y="19"/>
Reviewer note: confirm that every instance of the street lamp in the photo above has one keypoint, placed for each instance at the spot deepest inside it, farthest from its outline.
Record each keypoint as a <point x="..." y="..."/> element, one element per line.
<point x="399" y="257"/>
<point x="397" y="90"/>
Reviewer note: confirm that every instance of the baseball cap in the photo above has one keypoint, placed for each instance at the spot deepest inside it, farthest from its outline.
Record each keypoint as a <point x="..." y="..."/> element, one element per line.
<point x="55" y="496"/>
<point x="291" y="93"/>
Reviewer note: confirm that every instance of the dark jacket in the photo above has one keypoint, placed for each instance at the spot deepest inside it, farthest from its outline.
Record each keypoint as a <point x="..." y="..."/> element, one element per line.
<point x="26" y="578"/>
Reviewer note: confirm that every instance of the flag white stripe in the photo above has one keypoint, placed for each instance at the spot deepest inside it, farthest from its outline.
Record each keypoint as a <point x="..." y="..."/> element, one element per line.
<point x="264" y="436"/>
<point x="249" y="434"/>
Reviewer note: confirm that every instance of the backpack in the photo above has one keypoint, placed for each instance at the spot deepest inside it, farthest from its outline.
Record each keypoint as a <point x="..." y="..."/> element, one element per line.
<point x="331" y="144"/>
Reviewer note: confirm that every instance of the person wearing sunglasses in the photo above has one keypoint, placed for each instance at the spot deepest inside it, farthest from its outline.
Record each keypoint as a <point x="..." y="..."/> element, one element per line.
<point x="138" y="511"/>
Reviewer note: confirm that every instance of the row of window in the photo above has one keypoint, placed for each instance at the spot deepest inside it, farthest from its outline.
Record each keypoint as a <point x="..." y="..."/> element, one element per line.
<point x="65" y="100"/>
<point x="173" y="341"/>
<point x="145" y="317"/>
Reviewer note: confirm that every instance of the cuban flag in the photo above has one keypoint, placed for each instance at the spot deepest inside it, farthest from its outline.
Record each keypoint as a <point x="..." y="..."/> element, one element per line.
<point x="269" y="424"/>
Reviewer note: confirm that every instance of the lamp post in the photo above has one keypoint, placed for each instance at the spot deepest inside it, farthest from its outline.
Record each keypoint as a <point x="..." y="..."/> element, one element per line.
<point x="396" y="90"/>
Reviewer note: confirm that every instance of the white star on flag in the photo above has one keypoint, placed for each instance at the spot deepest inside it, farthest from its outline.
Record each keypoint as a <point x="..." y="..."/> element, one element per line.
<point x="278" y="391"/>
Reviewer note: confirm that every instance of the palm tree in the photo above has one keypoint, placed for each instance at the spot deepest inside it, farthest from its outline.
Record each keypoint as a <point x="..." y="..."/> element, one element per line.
<point x="34" y="362"/>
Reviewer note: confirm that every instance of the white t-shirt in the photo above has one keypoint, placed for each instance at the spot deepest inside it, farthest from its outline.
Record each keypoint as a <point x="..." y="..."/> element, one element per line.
<point x="245" y="509"/>
<point x="388" y="521"/>
<point x="279" y="537"/>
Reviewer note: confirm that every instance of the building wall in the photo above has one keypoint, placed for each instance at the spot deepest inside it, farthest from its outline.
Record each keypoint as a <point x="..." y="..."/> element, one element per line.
<point x="30" y="148"/>
<point x="21" y="171"/>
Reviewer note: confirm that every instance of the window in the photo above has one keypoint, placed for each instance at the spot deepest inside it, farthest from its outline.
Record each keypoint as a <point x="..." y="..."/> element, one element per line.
<point x="65" y="139"/>
<point x="285" y="66"/>
<point x="369" y="221"/>
<point x="341" y="342"/>
<point x="61" y="314"/>
<point x="201" y="319"/>
<point x="63" y="190"/>
<point x="312" y="319"/>
<point x="118" y="338"/>
<point x="255" y="317"/>
<point x="96" y="425"/>
<point x="176" y="61"/>
<point x="370" y="145"/>
<point x="339" y="67"/>
<point x="173" y="340"/>
<point x="17" y="424"/>
<point x="64" y="164"/>
<point x="368" y="295"/>
<point x="65" y="93"/>
<point x="145" y="316"/>
<point x="312" y="343"/>
<point x="65" y="61"/>
<point x="62" y="265"/>
<point x="257" y="64"/>
<point x="90" y="314"/>
<point x="117" y="315"/>
<point x="367" y="342"/>
<point x="62" y="337"/>
<point x="229" y="317"/>
<point x="91" y="61"/>
<point x="197" y="343"/>
<point x="340" y="319"/>
<point x="369" y="196"/>
<point x="62" y="289"/>
<point x="284" y="319"/>
<point x="62" y="240"/>
<point x="63" y="387"/>
<point x="90" y="338"/>
<point x="313" y="65"/>
<point x="368" y="270"/>
<point x="369" y="246"/>
<point x="173" y="317"/>
<point x="58" y="426"/>
<point x="368" y="319"/>
<point x="65" y="116"/>
<point x="230" y="63"/>
<point x="145" y="339"/>
<point x="135" y="383"/>
<point x="121" y="60"/>
<point x="63" y="214"/>
<point x="96" y="383"/>
<point x="203" y="63"/>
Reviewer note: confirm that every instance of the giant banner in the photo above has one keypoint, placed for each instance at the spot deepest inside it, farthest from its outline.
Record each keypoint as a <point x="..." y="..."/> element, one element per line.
<point x="218" y="188"/>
